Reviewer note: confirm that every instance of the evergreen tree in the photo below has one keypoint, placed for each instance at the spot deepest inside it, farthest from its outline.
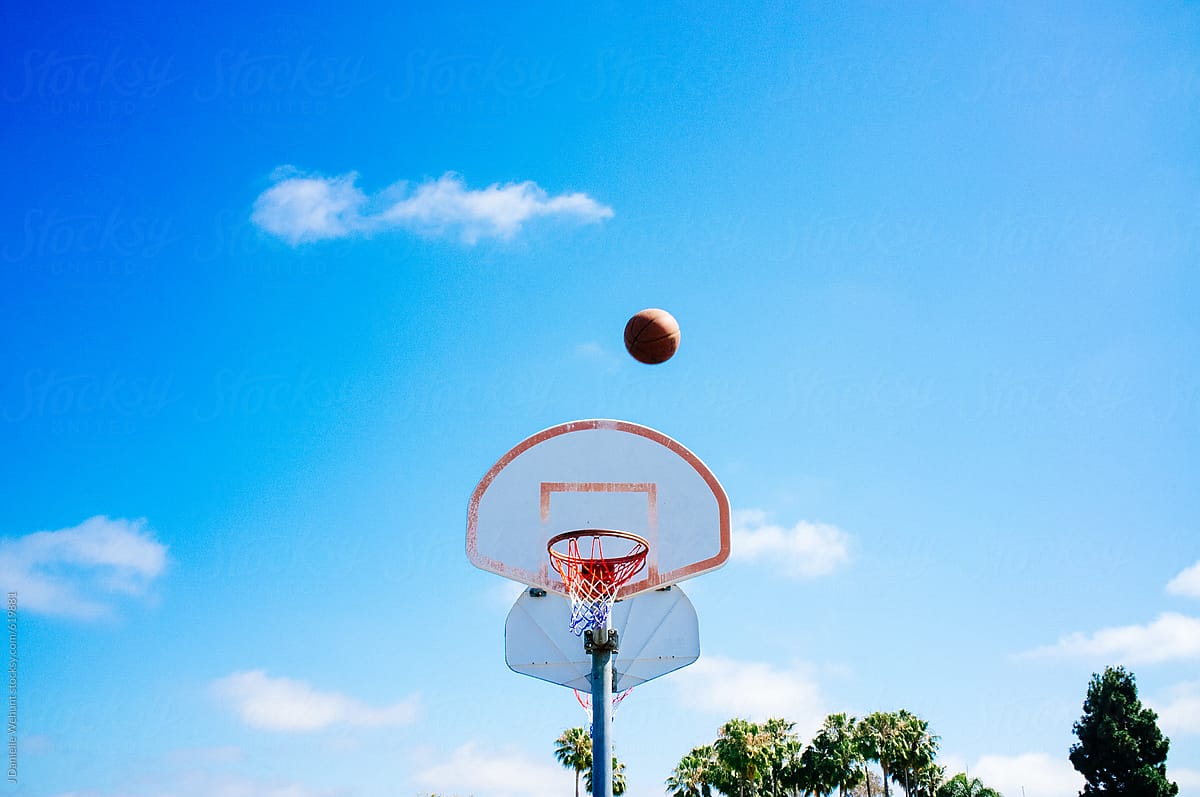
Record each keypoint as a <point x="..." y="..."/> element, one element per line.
<point x="1121" y="752"/>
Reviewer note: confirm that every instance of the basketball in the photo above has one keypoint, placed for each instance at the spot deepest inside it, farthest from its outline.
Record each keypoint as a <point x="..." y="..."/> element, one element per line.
<point x="652" y="336"/>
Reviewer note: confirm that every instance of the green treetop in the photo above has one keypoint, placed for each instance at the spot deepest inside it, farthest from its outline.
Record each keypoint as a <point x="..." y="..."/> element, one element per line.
<point x="1121" y="752"/>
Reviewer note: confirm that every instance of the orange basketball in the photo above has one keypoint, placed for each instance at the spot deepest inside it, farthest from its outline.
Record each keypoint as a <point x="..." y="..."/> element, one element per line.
<point x="652" y="336"/>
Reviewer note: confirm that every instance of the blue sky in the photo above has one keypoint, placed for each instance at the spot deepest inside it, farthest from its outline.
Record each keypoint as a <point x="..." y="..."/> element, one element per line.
<point x="280" y="285"/>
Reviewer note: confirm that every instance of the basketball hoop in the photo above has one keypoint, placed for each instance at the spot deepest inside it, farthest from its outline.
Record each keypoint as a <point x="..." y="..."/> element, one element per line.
<point x="592" y="580"/>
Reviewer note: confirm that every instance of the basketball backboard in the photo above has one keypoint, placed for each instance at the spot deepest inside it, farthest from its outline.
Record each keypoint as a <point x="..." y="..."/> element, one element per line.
<point x="599" y="474"/>
<point x="658" y="633"/>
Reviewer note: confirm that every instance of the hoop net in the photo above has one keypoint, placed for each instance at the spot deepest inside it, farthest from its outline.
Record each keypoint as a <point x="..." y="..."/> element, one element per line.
<point x="592" y="578"/>
<point x="585" y="700"/>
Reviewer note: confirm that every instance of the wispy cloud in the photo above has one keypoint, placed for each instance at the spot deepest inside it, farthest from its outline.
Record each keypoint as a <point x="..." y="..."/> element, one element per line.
<point x="1187" y="583"/>
<point x="1031" y="774"/>
<point x="302" y="208"/>
<point x="204" y="757"/>
<point x="503" y="594"/>
<point x="285" y="704"/>
<point x="1179" y="710"/>
<point x="752" y="689"/>
<point x="495" y="773"/>
<point x="806" y="550"/>
<point x="77" y="572"/>
<point x="598" y="355"/>
<point x="1170" y="637"/>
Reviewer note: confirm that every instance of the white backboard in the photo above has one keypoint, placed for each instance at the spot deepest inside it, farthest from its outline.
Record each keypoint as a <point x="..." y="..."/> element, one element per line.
<point x="602" y="474"/>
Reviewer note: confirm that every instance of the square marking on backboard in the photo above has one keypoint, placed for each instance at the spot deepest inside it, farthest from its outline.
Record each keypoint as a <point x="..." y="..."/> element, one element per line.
<point x="625" y="506"/>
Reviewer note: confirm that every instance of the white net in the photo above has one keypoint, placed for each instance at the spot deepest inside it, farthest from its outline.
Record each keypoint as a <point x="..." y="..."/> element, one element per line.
<point x="592" y="580"/>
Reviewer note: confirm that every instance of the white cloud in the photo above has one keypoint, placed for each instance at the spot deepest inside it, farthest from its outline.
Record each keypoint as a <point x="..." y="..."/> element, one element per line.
<point x="202" y="783"/>
<point x="1179" y="711"/>
<point x="74" y="572"/>
<point x="1037" y="774"/>
<point x="207" y="784"/>
<point x="504" y="594"/>
<point x="204" y="757"/>
<point x="751" y="689"/>
<point x="285" y="704"/>
<point x="303" y="208"/>
<point x="1170" y="637"/>
<point x="485" y="773"/>
<point x="497" y="211"/>
<point x="1187" y="583"/>
<point x="300" y="209"/>
<point x="201" y="772"/>
<point x="598" y="355"/>
<point x="806" y="550"/>
<point x="1185" y="778"/>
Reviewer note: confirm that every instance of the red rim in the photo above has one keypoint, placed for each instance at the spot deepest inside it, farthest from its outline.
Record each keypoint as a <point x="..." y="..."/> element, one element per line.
<point x="604" y="568"/>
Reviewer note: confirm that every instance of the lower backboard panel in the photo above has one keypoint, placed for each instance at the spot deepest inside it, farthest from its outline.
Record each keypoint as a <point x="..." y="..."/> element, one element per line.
<point x="658" y="633"/>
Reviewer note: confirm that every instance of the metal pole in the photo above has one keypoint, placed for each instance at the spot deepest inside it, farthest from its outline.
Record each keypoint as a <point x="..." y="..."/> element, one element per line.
<point x="604" y="644"/>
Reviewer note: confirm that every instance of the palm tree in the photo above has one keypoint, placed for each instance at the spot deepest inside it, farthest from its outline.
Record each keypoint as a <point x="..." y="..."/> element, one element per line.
<point x="573" y="749"/>
<point x="831" y="760"/>
<point x="927" y="779"/>
<point x="817" y="770"/>
<point x="783" y="774"/>
<point x="916" y="751"/>
<point x="618" y="777"/>
<point x="880" y="738"/>
<point x="963" y="786"/>
<point x="742" y="758"/>
<point x="752" y="759"/>
<point x="691" y="777"/>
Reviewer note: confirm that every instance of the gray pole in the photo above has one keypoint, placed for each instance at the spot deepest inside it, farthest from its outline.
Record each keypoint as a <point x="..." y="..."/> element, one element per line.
<point x="602" y="644"/>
